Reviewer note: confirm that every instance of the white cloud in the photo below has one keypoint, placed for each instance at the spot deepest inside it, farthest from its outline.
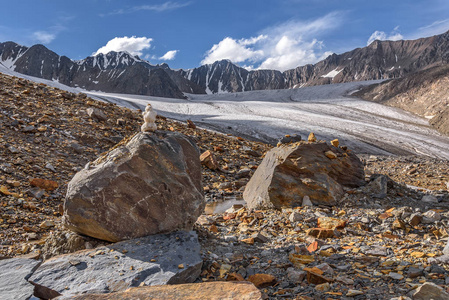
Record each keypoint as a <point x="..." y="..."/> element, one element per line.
<point x="166" y="6"/>
<point x="44" y="37"/>
<point x="437" y="27"/>
<point x="234" y="50"/>
<point x="382" y="36"/>
<point x="170" y="55"/>
<point x="281" y="47"/>
<point x="134" y="45"/>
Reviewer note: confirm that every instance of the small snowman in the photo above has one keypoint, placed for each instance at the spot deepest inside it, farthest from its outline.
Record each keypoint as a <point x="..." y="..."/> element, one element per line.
<point x="149" y="118"/>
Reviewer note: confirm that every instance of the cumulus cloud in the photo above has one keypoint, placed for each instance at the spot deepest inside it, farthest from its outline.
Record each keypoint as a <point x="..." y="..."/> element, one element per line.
<point x="382" y="36"/>
<point x="281" y="47"/>
<point x="133" y="45"/>
<point x="44" y="37"/>
<point x="169" y="5"/>
<point x="234" y="50"/>
<point x="170" y="55"/>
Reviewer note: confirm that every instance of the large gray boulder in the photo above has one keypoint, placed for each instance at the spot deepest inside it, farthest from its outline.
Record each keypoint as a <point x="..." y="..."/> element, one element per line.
<point x="154" y="260"/>
<point x="148" y="186"/>
<point x="290" y="172"/>
<point x="14" y="273"/>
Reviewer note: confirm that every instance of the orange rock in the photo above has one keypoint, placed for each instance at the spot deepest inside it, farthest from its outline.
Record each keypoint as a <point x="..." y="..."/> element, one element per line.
<point x="262" y="280"/>
<point x="45" y="184"/>
<point x="249" y="241"/>
<point x="335" y="143"/>
<point x="331" y="223"/>
<point x="213" y="229"/>
<point x="209" y="160"/>
<point x="312" y="137"/>
<point x="321" y="233"/>
<point x="314" y="276"/>
<point x="313" y="247"/>
<point x="190" y="291"/>
<point x="234" y="277"/>
<point x="330" y="155"/>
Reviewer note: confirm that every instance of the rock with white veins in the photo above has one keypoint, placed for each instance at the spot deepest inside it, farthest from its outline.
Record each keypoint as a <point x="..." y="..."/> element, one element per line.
<point x="152" y="260"/>
<point x="14" y="273"/>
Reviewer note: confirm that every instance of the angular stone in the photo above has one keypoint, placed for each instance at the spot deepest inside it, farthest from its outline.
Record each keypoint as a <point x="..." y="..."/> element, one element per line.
<point x="152" y="260"/>
<point x="150" y="185"/>
<point x="45" y="184"/>
<point x="352" y="293"/>
<point x="446" y="248"/>
<point x="430" y="290"/>
<point x="395" y="276"/>
<point x="295" y="217"/>
<point x="431" y="217"/>
<point x="312" y="137"/>
<point x="330" y="155"/>
<point x="96" y="113"/>
<point x="414" y="272"/>
<point x="335" y="143"/>
<point x="415" y="219"/>
<point x="289" y="139"/>
<point x="315" y="278"/>
<point x="321" y="233"/>
<point x="262" y="280"/>
<point x="377" y="187"/>
<point x="192" y="291"/>
<point x="13" y="278"/>
<point x="208" y="159"/>
<point x="331" y="223"/>
<point x="290" y="172"/>
<point x="429" y="199"/>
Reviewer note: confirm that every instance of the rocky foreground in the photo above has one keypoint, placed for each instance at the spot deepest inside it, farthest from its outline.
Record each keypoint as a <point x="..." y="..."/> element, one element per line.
<point x="380" y="241"/>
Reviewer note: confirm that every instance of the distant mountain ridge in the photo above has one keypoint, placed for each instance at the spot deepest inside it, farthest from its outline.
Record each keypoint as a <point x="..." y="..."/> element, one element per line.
<point x="120" y="72"/>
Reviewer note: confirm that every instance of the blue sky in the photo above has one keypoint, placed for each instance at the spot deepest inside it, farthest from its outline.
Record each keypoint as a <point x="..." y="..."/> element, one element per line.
<point x="279" y="34"/>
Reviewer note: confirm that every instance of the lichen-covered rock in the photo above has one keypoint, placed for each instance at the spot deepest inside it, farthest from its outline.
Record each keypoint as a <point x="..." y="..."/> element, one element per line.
<point x="289" y="173"/>
<point x="150" y="185"/>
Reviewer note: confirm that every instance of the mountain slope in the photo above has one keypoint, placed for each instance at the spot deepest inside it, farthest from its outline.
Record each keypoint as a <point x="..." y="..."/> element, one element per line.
<point x="425" y="93"/>
<point x="117" y="72"/>
<point x="379" y="60"/>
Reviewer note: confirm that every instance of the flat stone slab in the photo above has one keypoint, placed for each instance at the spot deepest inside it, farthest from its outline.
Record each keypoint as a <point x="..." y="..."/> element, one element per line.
<point x="14" y="273"/>
<point x="204" y="291"/>
<point x="153" y="260"/>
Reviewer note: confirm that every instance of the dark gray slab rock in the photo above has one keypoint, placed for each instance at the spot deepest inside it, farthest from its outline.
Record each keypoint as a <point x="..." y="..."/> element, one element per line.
<point x="14" y="273"/>
<point x="288" y="173"/>
<point x="153" y="260"/>
<point x="150" y="185"/>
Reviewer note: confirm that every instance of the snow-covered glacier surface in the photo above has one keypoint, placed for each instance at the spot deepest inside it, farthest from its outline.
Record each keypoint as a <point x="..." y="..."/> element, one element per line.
<point x="365" y="127"/>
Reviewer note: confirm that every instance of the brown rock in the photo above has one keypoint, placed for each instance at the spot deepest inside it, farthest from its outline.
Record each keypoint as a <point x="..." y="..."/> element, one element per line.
<point x="321" y="233"/>
<point x="330" y="154"/>
<point x="208" y="159"/>
<point x="206" y="291"/>
<point x="190" y="124"/>
<point x="316" y="277"/>
<point x="335" y="143"/>
<point x="45" y="184"/>
<point x="150" y="185"/>
<point x="262" y="280"/>
<point x="331" y="223"/>
<point x="234" y="277"/>
<point x="290" y="172"/>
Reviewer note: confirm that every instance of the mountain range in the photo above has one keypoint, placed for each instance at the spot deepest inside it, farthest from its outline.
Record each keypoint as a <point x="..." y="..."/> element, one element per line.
<point x="121" y="72"/>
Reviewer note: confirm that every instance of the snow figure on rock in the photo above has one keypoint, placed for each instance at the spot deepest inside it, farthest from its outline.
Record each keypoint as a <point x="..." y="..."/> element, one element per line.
<point x="149" y="118"/>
